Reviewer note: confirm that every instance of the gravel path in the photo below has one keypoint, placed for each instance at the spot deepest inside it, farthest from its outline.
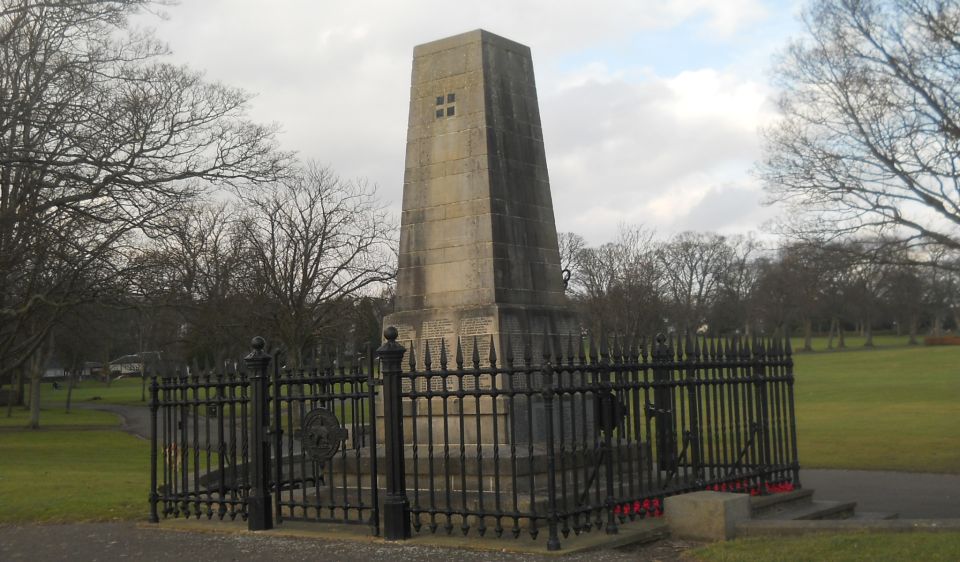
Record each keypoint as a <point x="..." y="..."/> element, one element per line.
<point x="124" y="541"/>
<point x="133" y="419"/>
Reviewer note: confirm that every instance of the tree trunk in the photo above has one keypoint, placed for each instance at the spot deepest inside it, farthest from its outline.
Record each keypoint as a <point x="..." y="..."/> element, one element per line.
<point x="37" y="364"/>
<point x="35" y="377"/>
<point x="21" y="389"/>
<point x="937" y="326"/>
<point x="899" y="326"/>
<point x="833" y="325"/>
<point x="15" y="387"/>
<point x="70" y="383"/>
<point x="841" y="338"/>
<point x="868" y="333"/>
<point x="807" y="335"/>
<point x="913" y="329"/>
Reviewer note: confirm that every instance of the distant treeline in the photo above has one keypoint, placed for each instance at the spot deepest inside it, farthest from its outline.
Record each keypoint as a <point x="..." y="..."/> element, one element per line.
<point x="716" y="284"/>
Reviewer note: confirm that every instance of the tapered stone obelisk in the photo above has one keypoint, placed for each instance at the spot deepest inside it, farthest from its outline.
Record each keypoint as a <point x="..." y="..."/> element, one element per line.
<point x="478" y="243"/>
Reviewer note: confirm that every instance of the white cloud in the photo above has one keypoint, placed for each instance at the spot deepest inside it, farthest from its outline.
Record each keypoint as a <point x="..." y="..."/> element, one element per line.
<point x="653" y="149"/>
<point x="639" y="147"/>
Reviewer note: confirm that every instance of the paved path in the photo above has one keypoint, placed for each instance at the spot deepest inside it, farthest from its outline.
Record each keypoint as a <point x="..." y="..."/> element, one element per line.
<point x="92" y="542"/>
<point x="133" y="419"/>
<point x="912" y="495"/>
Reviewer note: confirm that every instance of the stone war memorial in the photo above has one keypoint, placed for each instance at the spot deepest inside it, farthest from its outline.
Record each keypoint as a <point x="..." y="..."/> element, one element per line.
<point x="490" y="414"/>
<point x="478" y="243"/>
<point x="479" y="262"/>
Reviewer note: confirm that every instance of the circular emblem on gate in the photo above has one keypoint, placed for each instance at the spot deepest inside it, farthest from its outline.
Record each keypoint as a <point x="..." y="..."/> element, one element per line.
<point x="321" y="434"/>
<point x="610" y="411"/>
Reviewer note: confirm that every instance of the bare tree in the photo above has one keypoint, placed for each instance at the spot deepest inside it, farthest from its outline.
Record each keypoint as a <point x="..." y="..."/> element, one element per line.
<point x="870" y="132"/>
<point x="693" y="264"/>
<point x="942" y="297"/>
<point x="99" y="139"/>
<point x="905" y="299"/>
<point x="868" y="282"/>
<point x="734" y="308"/>
<point x="200" y="273"/>
<point x="318" y="241"/>
<point x="616" y="285"/>
<point x="570" y="245"/>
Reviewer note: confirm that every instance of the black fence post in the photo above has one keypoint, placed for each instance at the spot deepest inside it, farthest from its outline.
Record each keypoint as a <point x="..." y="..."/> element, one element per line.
<point x="608" y="424"/>
<point x="260" y="505"/>
<point x="693" y="409"/>
<point x="154" y="406"/>
<point x="553" y="539"/>
<point x="396" y="506"/>
<point x="663" y="405"/>
<point x="277" y="437"/>
<point x="759" y="359"/>
<point x="788" y="366"/>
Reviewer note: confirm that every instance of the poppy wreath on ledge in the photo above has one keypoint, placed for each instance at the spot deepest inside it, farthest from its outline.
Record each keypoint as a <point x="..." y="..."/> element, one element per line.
<point x="744" y="486"/>
<point x="646" y="508"/>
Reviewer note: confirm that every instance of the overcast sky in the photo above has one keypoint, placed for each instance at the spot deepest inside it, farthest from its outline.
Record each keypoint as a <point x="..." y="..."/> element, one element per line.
<point x="650" y="108"/>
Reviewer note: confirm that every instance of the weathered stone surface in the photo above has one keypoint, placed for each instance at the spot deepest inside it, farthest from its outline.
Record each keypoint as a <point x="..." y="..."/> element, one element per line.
<point x="478" y="246"/>
<point x="710" y="516"/>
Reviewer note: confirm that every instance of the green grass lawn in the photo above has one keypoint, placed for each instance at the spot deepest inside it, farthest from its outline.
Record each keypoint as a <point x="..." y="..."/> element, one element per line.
<point x="855" y="342"/>
<point x="53" y="416"/>
<point x="848" y="547"/>
<point x="891" y="408"/>
<point x="123" y="391"/>
<point x="72" y="475"/>
<point x="75" y="468"/>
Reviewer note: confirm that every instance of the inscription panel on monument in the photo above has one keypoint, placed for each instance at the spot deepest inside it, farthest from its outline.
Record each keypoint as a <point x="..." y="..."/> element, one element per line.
<point x="479" y="330"/>
<point x="433" y="333"/>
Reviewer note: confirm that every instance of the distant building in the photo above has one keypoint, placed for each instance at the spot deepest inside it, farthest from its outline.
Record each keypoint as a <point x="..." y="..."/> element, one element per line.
<point x="91" y="369"/>
<point x="54" y="372"/>
<point x="126" y="365"/>
<point x="133" y="365"/>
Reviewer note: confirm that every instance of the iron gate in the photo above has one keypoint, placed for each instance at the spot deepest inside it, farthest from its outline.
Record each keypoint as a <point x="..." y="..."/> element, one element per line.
<point x="324" y="446"/>
<point x="241" y="442"/>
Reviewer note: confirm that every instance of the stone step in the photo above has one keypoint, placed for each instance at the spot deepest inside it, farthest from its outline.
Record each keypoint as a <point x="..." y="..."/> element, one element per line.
<point x="762" y="505"/>
<point x="811" y="510"/>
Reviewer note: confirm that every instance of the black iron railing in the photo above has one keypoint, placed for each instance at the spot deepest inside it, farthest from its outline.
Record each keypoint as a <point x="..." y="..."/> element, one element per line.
<point x="587" y="437"/>
<point x="583" y="437"/>
<point x="200" y="453"/>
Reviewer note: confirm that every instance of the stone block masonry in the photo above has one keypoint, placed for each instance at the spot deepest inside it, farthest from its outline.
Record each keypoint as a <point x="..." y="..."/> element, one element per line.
<point x="478" y="246"/>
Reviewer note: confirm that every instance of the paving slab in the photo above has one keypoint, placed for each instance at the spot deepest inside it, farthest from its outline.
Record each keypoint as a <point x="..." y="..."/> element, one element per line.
<point x="911" y="495"/>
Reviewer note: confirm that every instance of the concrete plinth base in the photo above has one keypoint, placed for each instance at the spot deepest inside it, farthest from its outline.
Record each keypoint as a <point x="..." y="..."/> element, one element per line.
<point x="707" y="516"/>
